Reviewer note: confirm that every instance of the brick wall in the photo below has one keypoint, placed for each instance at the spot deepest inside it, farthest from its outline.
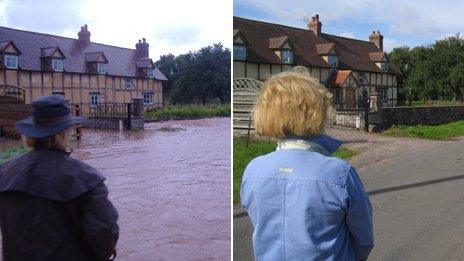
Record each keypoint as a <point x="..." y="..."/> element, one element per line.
<point x="11" y="111"/>
<point x="433" y="115"/>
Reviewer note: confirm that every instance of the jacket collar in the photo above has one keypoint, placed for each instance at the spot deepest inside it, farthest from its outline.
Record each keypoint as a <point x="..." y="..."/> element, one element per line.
<point x="321" y="143"/>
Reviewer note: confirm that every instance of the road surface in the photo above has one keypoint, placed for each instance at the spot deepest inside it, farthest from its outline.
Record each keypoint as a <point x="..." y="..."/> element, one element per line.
<point x="417" y="192"/>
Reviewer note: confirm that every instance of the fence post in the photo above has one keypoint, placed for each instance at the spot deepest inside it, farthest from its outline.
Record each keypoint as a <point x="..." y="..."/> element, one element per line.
<point x="129" y="116"/>
<point x="366" y="112"/>
<point x="78" y="127"/>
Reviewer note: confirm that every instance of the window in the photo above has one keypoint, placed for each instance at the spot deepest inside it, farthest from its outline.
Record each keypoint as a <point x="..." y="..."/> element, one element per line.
<point x="129" y="84"/>
<point x="287" y="56"/>
<point x="384" y="67"/>
<point x="94" y="99"/>
<point x="11" y="61"/>
<point x="151" y="72"/>
<point x="333" y="60"/>
<point x="383" y="94"/>
<point x="361" y="77"/>
<point x="57" y="65"/>
<point x="239" y="52"/>
<point x="101" y="67"/>
<point x="148" y="98"/>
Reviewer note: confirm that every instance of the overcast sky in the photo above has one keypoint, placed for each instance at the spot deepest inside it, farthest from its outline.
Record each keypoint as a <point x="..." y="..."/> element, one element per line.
<point x="412" y="22"/>
<point x="172" y="26"/>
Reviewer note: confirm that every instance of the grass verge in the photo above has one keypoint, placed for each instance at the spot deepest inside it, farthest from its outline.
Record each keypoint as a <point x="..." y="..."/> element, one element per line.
<point x="243" y="155"/>
<point x="438" y="132"/>
<point x="9" y="153"/>
<point x="188" y="112"/>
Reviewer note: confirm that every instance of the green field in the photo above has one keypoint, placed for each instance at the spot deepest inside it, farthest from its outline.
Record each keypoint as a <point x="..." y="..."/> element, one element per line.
<point x="9" y="153"/>
<point x="243" y="155"/>
<point x="189" y="111"/>
<point x="439" y="132"/>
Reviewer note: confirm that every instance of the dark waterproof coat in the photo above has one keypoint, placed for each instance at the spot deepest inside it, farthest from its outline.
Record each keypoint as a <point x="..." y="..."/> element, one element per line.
<point x="54" y="207"/>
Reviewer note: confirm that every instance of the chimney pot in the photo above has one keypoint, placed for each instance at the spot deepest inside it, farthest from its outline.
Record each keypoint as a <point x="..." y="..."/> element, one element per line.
<point x="142" y="48"/>
<point x="84" y="35"/>
<point x="314" y="25"/>
<point x="377" y="39"/>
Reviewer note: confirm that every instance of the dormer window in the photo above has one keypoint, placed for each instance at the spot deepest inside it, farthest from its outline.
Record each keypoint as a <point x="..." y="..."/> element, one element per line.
<point x="240" y="52"/>
<point x="11" y="61"/>
<point x="287" y="56"/>
<point x="101" y="68"/>
<point x="57" y="65"/>
<point x="283" y="48"/>
<point x="333" y="60"/>
<point x="384" y="67"/>
<point x="96" y="62"/>
<point x="240" y="49"/>
<point x="10" y="54"/>
<point x="151" y="72"/>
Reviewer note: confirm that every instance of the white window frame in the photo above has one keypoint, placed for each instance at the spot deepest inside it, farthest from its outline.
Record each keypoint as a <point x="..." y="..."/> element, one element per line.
<point x="148" y="98"/>
<point x="240" y="52"/>
<point x="289" y="59"/>
<point x="11" y="61"/>
<point x="333" y="60"/>
<point x="95" y="99"/>
<point x="57" y="65"/>
<point x="151" y="72"/>
<point x="128" y="83"/>
<point x="101" y="68"/>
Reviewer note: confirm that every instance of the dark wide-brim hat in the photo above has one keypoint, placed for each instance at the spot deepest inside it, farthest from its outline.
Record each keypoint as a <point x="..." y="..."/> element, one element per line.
<point x="50" y="115"/>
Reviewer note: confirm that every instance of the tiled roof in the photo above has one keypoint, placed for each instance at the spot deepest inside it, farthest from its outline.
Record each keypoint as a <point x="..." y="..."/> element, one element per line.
<point x="277" y="42"/>
<point x="49" y="51"/>
<point x="378" y="56"/>
<point x="353" y="54"/>
<point x="145" y="63"/>
<point x="324" y="48"/>
<point x="121" y="61"/>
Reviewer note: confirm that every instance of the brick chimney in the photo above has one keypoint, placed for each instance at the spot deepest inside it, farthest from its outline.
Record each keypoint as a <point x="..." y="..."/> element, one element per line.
<point x="84" y="35"/>
<point x="141" y="49"/>
<point x="377" y="39"/>
<point x="314" y="25"/>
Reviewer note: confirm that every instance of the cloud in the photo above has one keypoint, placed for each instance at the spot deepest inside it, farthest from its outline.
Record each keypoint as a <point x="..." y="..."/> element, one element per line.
<point x="173" y="26"/>
<point x="347" y="34"/>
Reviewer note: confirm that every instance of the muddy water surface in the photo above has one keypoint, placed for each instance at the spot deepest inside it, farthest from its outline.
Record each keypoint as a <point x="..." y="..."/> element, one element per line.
<point x="171" y="186"/>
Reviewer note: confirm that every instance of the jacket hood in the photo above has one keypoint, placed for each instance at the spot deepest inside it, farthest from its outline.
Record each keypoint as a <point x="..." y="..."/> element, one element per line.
<point x="48" y="174"/>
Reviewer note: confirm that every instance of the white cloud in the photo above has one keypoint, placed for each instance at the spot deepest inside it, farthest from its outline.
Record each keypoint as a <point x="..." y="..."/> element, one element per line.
<point x="348" y="35"/>
<point x="173" y="26"/>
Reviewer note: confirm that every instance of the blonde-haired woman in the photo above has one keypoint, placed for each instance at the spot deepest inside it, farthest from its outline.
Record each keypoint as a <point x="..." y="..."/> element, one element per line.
<point x="54" y="207"/>
<point x="303" y="203"/>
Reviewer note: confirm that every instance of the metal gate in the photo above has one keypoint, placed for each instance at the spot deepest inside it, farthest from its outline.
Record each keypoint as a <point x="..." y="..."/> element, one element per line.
<point x="245" y="92"/>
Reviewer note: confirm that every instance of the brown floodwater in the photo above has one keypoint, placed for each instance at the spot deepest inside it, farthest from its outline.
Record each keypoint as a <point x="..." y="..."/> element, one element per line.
<point x="171" y="186"/>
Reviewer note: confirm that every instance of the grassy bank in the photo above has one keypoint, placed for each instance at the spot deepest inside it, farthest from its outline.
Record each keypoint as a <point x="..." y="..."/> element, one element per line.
<point x="9" y="153"/>
<point x="436" y="103"/>
<point x="444" y="131"/>
<point x="243" y="155"/>
<point x="188" y="112"/>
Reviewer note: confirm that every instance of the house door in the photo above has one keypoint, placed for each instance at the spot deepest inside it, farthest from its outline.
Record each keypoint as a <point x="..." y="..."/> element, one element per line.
<point x="350" y="97"/>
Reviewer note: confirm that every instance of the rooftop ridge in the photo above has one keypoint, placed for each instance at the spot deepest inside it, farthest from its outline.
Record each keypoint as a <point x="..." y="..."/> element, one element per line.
<point x="63" y="37"/>
<point x="298" y="28"/>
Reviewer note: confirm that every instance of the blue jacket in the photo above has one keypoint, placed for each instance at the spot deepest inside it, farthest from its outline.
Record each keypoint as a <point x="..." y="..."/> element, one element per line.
<point x="306" y="205"/>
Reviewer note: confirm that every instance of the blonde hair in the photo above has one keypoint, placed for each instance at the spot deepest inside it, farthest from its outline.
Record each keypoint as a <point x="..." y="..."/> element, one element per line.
<point x="292" y="103"/>
<point x="59" y="141"/>
<point x="301" y="69"/>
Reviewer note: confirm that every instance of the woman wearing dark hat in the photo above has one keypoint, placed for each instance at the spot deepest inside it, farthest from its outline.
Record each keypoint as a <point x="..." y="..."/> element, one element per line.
<point x="54" y="207"/>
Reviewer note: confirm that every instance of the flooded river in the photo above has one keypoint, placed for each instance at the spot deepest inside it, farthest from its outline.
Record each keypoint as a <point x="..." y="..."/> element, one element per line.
<point x="171" y="186"/>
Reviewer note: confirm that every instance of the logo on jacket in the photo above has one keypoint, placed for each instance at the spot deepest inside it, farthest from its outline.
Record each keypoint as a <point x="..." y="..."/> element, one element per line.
<point x="286" y="170"/>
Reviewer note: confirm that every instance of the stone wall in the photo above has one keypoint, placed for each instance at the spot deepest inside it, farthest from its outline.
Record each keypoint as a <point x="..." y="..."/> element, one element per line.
<point x="11" y="111"/>
<point x="432" y="115"/>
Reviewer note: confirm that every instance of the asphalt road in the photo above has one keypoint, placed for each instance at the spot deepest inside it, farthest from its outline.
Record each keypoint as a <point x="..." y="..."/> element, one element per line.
<point x="417" y="193"/>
